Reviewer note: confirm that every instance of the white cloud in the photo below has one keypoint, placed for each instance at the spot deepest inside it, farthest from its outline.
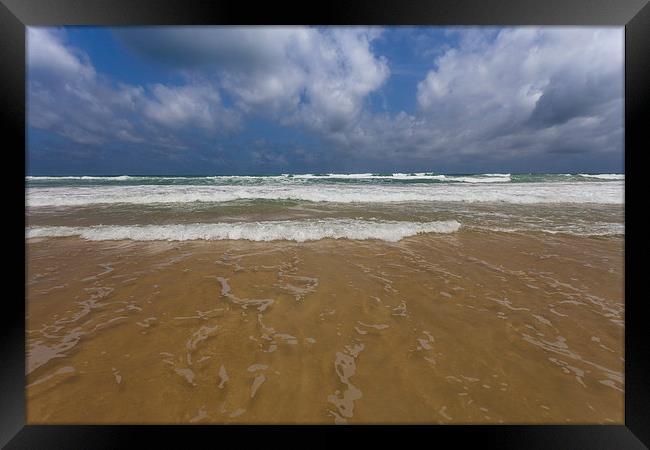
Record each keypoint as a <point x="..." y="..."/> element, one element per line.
<point x="195" y="105"/>
<point x="492" y="83"/>
<point x="68" y="97"/>
<point x="340" y="79"/>
<point x="47" y="51"/>
<point x="508" y="94"/>
<point x="315" y="77"/>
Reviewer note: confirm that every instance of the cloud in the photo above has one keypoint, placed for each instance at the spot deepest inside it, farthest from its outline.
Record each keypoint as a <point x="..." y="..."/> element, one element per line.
<point x="199" y="105"/>
<point x="498" y="95"/>
<point x="504" y="95"/>
<point x="522" y="81"/>
<point x="318" y="78"/>
<point x="68" y="97"/>
<point x="46" y="52"/>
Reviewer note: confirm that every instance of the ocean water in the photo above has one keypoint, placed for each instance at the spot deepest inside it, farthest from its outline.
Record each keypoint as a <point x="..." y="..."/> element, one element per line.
<point x="351" y="308"/>
<point x="305" y="207"/>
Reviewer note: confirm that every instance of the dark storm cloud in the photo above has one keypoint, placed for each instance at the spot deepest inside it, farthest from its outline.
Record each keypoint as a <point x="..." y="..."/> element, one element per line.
<point x="239" y="48"/>
<point x="571" y="95"/>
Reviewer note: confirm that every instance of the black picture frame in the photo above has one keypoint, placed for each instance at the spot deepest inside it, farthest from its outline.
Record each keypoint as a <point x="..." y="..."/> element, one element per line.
<point x="15" y="15"/>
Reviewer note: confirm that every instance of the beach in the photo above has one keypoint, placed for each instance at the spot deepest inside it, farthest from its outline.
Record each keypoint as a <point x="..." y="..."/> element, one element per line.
<point x="334" y="298"/>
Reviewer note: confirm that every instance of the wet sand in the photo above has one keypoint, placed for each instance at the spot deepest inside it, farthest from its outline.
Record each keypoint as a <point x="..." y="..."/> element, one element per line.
<point x="471" y="327"/>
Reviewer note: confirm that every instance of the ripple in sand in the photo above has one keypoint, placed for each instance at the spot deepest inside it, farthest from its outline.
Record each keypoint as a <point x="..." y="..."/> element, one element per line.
<point x="262" y="304"/>
<point x="379" y="326"/>
<point x="187" y="374"/>
<point x="197" y="337"/>
<point x="68" y="370"/>
<point x="238" y="412"/>
<point x="400" y="310"/>
<point x="200" y="415"/>
<point x="256" y="367"/>
<point x="345" y="367"/>
<point x="108" y="268"/>
<point x="299" y="286"/>
<point x="148" y="322"/>
<point x="223" y="376"/>
<point x="560" y="347"/>
<point x="257" y="382"/>
<point x="425" y="343"/>
<point x="40" y="353"/>
<point x="116" y="374"/>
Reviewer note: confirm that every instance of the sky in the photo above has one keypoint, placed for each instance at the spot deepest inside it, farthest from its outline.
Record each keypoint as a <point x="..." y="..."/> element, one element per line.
<point x="268" y="100"/>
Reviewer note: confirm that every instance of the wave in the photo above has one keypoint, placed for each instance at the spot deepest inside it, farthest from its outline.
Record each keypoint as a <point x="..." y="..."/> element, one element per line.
<point x="398" y="176"/>
<point x="336" y="175"/>
<point x="299" y="231"/>
<point x="515" y="193"/>
<point x="153" y="178"/>
<point x="604" y="176"/>
<point x="84" y="177"/>
<point x="595" y="230"/>
<point x="480" y="178"/>
<point x="487" y="178"/>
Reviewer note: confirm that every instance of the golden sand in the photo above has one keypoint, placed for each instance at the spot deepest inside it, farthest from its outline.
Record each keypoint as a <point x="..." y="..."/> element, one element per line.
<point x="463" y="328"/>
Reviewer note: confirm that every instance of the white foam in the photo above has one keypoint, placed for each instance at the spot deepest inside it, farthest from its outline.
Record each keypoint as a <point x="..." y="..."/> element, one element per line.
<point x="362" y="176"/>
<point x="475" y="178"/>
<point x="480" y="178"/>
<point x="519" y="193"/>
<point x="487" y="178"/>
<point x="300" y="231"/>
<point x="155" y="178"/>
<point x="417" y="176"/>
<point x="604" y="176"/>
<point x="85" y="177"/>
<point x="594" y="229"/>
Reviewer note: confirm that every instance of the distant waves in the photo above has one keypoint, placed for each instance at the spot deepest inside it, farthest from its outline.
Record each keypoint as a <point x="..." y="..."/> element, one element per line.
<point x="516" y="193"/>
<point x="351" y="177"/>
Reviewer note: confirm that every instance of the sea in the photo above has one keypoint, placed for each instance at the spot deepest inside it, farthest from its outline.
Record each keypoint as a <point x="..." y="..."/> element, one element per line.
<point x="305" y="207"/>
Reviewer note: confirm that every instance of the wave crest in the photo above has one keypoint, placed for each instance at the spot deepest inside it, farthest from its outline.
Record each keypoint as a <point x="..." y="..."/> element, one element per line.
<point x="522" y="193"/>
<point x="299" y="231"/>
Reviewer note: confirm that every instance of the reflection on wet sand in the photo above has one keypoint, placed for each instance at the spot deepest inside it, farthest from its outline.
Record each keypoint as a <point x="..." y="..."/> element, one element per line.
<point x="474" y="327"/>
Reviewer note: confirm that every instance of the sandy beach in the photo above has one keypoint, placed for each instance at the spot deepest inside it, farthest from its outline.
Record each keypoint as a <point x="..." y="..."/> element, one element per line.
<point x="468" y="327"/>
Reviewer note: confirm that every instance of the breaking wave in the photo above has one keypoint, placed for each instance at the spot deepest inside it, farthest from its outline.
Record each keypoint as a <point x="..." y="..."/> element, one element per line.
<point x="515" y="193"/>
<point x="299" y="231"/>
